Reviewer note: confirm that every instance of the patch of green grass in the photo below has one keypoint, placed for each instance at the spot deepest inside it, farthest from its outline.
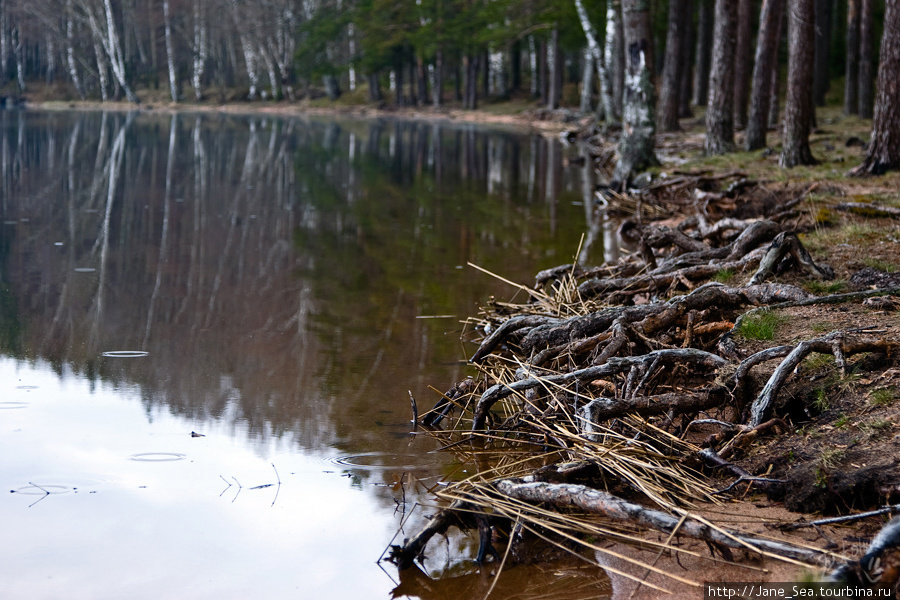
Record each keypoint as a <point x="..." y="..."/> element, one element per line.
<point x="821" y="288"/>
<point x="842" y="422"/>
<point x="724" y="276"/>
<point x="875" y="427"/>
<point x="820" y="327"/>
<point x="820" y="400"/>
<point x="761" y="325"/>
<point x="832" y="456"/>
<point x="883" y="396"/>
<point x="816" y="361"/>
<point x="881" y="265"/>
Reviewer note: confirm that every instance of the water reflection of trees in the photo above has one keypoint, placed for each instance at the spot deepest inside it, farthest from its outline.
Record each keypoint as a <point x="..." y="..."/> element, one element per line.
<point x="273" y="269"/>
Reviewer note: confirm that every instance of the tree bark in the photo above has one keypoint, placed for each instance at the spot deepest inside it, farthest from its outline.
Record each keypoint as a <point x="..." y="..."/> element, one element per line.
<point x="635" y="150"/>
<point x="884" y="148"/>
<point x="687" y="80"/>
<point x="720" y="109"/>
<point x="821" y="79"/>
<point x="770" y="15"/>
<point x="851" y="71"/>
<point x="742" y="57"/>
<point x="705" y="25"/>
<point x="614" y="56"/>
<point x="555" y="64"/>
<point x="170" y="51"/>
<point x="866" y="50"/>
<point x="798" y="107"/>
<point x="670" y="92"/>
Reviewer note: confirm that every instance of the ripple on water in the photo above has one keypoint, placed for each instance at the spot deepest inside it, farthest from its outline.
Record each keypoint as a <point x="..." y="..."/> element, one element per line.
<point x="157" y="457"/>
<point x="58" y="485"/>
<point x="12" y="405"/>
<point x="125" y="353"/>
<point x="376" y="461"/>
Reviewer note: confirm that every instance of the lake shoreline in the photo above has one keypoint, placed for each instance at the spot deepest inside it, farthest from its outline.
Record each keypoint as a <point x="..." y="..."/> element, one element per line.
<point x="542" y="121"/>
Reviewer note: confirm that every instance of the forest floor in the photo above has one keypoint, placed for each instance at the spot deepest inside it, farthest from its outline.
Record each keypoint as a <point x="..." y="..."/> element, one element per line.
<point x="836" y="449"/>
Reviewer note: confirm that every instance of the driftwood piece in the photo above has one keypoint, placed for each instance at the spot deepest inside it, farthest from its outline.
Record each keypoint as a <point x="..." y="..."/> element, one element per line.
<point x="603" y="409"/>
<point x="613" y="366"/>
<point x="784" y="244"/>
<point x="599" y="502"/>
<point x="434" y="417"/>
<point x="867" y="570"/>
<point x="839" y="343"/>
<point x="869" y="209"/>
<point x="509" y="326"/>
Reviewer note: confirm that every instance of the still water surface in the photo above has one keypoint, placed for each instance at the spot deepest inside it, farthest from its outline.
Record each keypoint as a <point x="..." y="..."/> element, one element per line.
<point x="209" y="330"/>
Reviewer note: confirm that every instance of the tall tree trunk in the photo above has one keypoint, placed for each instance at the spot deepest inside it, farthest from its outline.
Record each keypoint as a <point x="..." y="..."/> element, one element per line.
<point x="770" y="16"/>
<point x="851" y="71"/>
<point x="798" y="107"/>
<point x="720" y="108"/>
<point x="70" y="51"/>
<point x="884" y="147"/>
<point x="687" y="80"/>
<point x="170" y="52"/>
<point x="821" y="79"/>
<point x="669" y="105"/>
<point x="555" y="64"/>
<point x="374" y="88"/>
<point x="437" y="87"/>
<point x="587" y="81"/>
<point x="200" y="50"/>
<point x="705" y="25"/>
<point x="742" y="63"/>
<point x="866" y="50"/>
<point x="638" y="138"/>
<point x="594" y="56"/>
<point x="614" y="55"/>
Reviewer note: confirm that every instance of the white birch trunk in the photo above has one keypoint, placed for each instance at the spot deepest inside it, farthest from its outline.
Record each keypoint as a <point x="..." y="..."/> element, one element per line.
<point x="351" y="41"/>
<point x="596" y="53"/>
<point x="101" y="70"/>
<point x="170" y="52"/>
<point x="199" y="51"/>
<point x="612" y="86"/>
<point x="20" y="60"/>
<point x="533" y="65"/>
<point x="70" y="52"/>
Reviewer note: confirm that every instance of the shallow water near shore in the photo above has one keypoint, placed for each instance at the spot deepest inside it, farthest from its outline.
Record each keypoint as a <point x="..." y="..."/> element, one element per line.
<point x="210" y="328"/>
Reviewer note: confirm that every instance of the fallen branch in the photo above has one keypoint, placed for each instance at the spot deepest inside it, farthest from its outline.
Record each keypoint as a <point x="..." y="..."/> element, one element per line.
<point x="599" y="502"/>
<point x="837" y="343"/>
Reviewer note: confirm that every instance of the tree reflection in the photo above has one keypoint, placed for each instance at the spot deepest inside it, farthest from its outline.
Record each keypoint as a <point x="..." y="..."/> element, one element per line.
<point x="273" y="269"/>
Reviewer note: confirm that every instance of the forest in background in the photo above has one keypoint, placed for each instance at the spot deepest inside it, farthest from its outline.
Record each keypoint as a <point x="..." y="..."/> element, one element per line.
<point x="416" y="52"/>
<point x="641" y="64"/>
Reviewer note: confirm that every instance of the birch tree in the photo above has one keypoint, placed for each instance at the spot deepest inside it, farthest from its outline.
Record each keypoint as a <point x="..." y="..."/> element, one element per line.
<point x="102" y="22"/>
<point x="635" y="151"/>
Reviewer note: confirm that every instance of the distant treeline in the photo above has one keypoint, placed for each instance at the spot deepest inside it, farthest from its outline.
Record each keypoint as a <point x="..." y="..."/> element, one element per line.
<point x="409" y="52"/>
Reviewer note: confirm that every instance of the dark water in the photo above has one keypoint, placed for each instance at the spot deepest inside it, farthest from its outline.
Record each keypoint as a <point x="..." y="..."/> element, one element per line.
<point x="278" y="286"/>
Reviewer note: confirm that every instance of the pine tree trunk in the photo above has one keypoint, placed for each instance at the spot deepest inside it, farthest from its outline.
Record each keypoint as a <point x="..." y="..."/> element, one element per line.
<point x="866" y="50"/>
<point x="638" y="138"/>
<point x="720" y="107"/>
<point x="821" y="79"/>
<point x="374" y="88"/>
<point x="884" y="147"/>
<point x="705" y="25"/>
<point x="670" y="92"/>
<point x="554" y="62"/>
<point x="770" y="16"/>
<point x="742" y="63"/>
<point x="687" y="81"/>
<point x="851" y="71"/>
<point x="614" y="55"/>
<point x="798" y="107"/>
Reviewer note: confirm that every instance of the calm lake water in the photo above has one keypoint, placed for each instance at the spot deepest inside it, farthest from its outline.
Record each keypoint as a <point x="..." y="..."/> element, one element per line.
<point x="209" y="330"/>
